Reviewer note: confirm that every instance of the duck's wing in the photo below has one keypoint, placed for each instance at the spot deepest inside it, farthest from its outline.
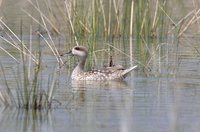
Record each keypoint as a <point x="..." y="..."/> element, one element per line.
<point x="117" y="71"/>
<point x="109" y="73"/>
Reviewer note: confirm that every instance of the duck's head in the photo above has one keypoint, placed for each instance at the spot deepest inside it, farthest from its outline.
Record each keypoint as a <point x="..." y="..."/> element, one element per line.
<point x="78" y="51"/>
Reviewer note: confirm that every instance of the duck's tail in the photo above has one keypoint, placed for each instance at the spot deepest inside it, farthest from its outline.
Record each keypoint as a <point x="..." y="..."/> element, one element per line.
<point x="126" y="71"/>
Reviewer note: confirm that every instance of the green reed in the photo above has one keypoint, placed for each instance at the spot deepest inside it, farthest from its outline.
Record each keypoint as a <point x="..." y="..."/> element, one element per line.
<point x="29" y="91"/>
<point x="145" y="21"/>
<point x="83" y="22"/>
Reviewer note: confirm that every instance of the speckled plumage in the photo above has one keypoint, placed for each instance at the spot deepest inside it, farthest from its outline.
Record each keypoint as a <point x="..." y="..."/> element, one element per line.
<point x="110" y="73"/>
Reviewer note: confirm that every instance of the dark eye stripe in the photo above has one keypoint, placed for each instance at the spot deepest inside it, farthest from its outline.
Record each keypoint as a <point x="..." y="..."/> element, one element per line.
<point x="79" y="48"/>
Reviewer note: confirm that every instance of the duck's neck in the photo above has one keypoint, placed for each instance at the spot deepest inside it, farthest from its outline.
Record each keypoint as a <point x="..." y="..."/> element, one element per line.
<point x="80" y="67"/>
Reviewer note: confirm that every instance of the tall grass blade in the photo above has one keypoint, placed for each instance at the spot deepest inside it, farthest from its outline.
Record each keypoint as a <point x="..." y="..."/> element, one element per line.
<point x="8" y="90"/>
<point x="9" y="54"/>
<point x="70" y="20"/>
<point x="52" y="87"/>
<point x="131" y="33"/>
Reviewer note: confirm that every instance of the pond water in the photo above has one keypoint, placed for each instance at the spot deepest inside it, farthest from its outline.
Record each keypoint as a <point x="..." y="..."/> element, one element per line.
<point x="167" y="100"/>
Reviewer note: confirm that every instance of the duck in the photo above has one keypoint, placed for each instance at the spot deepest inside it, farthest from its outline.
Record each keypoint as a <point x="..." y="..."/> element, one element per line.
<point x="116" y="72"/>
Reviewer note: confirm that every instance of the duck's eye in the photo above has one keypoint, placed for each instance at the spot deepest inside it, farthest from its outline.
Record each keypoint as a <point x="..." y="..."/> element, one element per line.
<point x="77" y="48"/>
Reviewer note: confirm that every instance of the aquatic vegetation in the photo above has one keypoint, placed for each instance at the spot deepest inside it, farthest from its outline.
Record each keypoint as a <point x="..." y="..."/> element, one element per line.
<point x="29" y="91"/>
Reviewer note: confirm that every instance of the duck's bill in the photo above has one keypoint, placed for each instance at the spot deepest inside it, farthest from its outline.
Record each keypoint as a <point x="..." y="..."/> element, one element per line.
<point x="68" y="53"/>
